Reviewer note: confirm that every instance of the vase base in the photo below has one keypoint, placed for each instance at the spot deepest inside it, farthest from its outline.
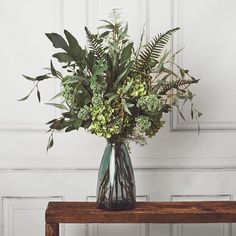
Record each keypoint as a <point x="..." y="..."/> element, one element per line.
<point x="116" y="206"/>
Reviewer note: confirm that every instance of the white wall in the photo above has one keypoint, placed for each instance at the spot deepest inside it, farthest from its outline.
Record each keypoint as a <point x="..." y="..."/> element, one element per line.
<point x="178" y="164"/>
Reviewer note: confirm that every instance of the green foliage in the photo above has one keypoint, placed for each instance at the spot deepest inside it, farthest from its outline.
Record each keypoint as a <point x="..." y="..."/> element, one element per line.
<point x="96" y="44"/>
<point x="143" y="123"/>
<point x="84" y="113"/>
<point x="113" y="90"/>
<point x="150" y="103"/>
<point x="148" y="58"/>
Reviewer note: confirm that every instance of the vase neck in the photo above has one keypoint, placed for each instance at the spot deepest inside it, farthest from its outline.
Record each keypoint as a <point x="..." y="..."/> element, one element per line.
<point x="115" y="142"/>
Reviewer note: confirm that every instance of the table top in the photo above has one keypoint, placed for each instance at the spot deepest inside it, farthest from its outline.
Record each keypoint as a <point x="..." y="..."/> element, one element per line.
<point x="145" y="212"/>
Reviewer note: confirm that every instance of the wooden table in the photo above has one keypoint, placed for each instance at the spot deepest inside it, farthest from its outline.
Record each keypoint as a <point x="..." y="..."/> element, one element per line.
<point x="145" y="212"/>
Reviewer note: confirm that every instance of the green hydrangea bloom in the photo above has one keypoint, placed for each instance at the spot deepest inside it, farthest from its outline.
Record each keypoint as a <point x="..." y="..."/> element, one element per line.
<point x="103" y="124"/>
<point x="97" y="99"/>
<point x="143" y="123"/>
<point x="96" y="87"/>
<point x="67" y="93"/>
<point x="154" y="128"/>
<point x="150" y="103"/>
<point x="138" y="87"/>
<point x="84" y="113"/>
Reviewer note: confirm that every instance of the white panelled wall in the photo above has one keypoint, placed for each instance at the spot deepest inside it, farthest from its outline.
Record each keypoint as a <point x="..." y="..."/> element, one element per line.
<point x="178" y="164"/>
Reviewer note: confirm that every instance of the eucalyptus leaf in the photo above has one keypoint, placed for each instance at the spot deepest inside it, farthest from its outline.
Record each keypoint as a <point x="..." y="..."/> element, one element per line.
<point x="56" y="96"/>
<point x="126" y="53"/>
<point x="50" y="143"/>
<point x="125" y="107"/>
<point x="57" y="105"/>
<point x="38" y="95"/>
<point x="106" y="27"/>
<point x="51" y="121"/>
<point x="120" y="77"/>
<point x="24" y="98"/>
<point x="28" y="78"/>
<point x="182" y="72"/>
<point x="53" y="71"/>
<point x="42" y="77"/>
<point x="128" y="86"/>
<point x="73" y="79"/>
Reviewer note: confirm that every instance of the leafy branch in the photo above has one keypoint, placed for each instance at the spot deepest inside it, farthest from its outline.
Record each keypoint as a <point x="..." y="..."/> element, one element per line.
<point x="147" y="59"/>
<point x="96" y="44"/>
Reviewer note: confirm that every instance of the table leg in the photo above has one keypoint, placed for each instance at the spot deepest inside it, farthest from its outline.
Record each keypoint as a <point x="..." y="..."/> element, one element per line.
<point x="52" y="230"/>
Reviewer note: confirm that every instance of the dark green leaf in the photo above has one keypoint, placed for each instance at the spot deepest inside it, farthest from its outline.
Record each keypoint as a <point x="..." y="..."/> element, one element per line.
<point x="120" y="77"/>
<point x="199" y="114"/>
<point x="108" y="22"/>
<point x="86" y="124"/>
<point x="112" y="96"/>
<point x="63" y="57"/>
<point x="125" y="107"/>
<point x="56" y="96"/>
<point x="28" y="78"/>
<point x="177" y="106"/>
<point x="190" y="95"/>
<point x="128" y="86"/>
<point x="181" y="114"/>
<point x="104" y="34"/>
<point x="57" y="41"/>
<point x="124" y="73"/>
<point x="182" y="73"/>
<point x="192" y="112"/>
<point x="67" y="114"/>
<point x="74" y="48"/>
<point x="78" y="123"/>
<point x="69" y="128"/>
<point x="106" y="27"/>
<point x="38" y="95"/>
<point x="73" y="79"/>
<point x="60" y="106"/>
<point x="58" y="125"/>
<point x="42" y="77"/>
<point x="126" y="53"/>
<point x="24" y="98"/>
<point x="50" y="143"/>
<point x="51" y="121"/>
<point x="53" y="71"/>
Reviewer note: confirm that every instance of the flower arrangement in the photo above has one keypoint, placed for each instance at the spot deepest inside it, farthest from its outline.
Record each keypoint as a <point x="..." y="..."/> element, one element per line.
<point x="112" y="89"/>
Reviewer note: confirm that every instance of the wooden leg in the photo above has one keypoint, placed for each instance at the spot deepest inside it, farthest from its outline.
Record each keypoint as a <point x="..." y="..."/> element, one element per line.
<point x="52" y="230"/>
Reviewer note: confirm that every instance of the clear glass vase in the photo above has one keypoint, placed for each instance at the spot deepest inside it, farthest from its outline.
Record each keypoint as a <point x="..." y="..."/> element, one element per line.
<point x="116" y="184"/>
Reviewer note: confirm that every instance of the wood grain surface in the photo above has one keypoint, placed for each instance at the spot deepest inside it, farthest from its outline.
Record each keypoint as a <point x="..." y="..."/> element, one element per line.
<point x="52" y="229"/>
<point x="145" y="212"/>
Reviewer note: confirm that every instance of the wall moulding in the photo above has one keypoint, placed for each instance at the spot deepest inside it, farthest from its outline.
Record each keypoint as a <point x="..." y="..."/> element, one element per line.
<point x="55" y="12"/>
<point x="139" y="164"/>
<point x="176" y="122"/>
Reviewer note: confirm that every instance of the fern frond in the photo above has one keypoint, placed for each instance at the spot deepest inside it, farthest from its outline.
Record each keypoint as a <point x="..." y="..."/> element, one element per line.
<point x="176" y="85"/>
<point x="95" y="44"/>
<point x="147" y="58"/>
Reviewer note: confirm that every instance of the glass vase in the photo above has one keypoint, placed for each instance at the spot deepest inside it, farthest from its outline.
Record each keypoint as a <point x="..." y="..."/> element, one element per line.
<point x="116" y="184"/>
